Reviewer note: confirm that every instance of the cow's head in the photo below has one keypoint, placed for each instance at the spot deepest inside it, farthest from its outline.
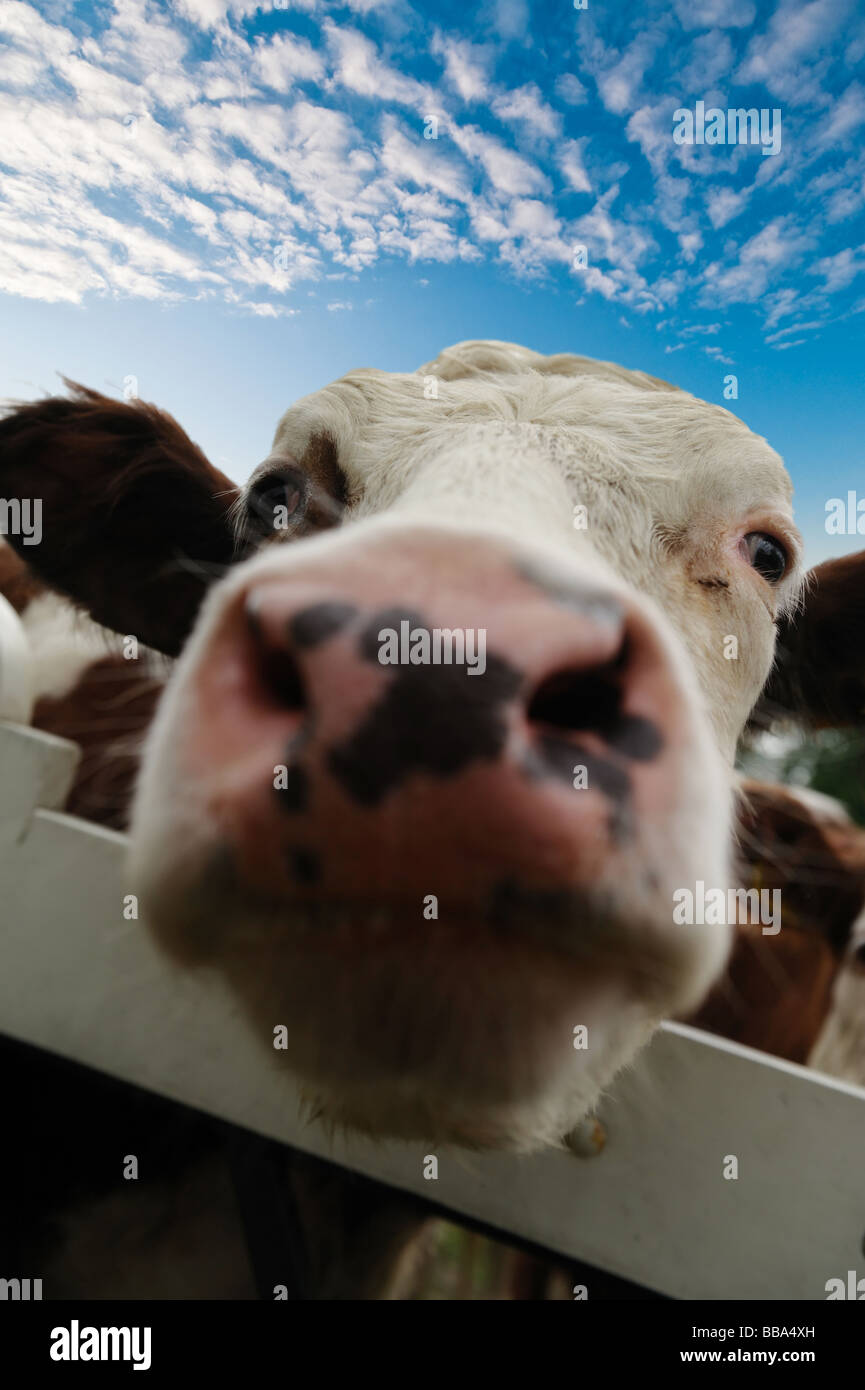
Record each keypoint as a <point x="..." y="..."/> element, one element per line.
<point x="431" y="875"/>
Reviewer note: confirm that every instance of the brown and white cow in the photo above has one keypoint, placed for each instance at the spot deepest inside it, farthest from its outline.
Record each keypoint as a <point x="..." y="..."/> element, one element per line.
<point x="394" y="862"/>
<point x="789" y="993"/>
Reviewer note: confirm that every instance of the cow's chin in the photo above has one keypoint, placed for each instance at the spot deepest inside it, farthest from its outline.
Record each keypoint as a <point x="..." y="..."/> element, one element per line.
<point x="497" y="1033"/>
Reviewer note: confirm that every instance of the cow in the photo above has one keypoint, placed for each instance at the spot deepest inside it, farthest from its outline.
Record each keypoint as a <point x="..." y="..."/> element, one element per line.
<point x="780" y="992"/>
<point x="429" y="874"/>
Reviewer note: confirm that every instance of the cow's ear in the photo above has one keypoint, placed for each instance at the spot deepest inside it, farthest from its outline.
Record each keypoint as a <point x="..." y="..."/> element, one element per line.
<point x="819" y="672"/>
<point x="776" y="991"/>
<point x="112" y="504"/>
<point x="806" y="845"/>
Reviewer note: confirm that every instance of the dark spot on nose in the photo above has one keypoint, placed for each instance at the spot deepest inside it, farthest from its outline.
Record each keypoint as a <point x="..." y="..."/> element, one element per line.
<point x="579" y="701"/>
<point x="314" y="625"/>
<point x="294" y="796"/>
<point x="635" y="737"/>
<point x="434" y="719"/>
<point x="305" y="865"/>
<point x="559" y="756"/>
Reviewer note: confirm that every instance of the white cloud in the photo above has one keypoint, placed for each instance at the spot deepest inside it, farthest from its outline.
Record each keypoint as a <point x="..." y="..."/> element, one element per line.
<point x="364" y="7"/>
<point x="529" y="234"/>
<point x="529" y="217"/>
<point x="170" y="150"/>
<point x="526" y="106"/>
<point x="690" y="243"/>
<point x="711" y="59"/>
<point x="595" y="279"/>
<point x="422" y="162"/>
<point x="285" y="61"/>
<point x="782" y="59"/>
<point x="262" y="309"/>
<point x="570" y="161"/>
<point x="205" y="13"/>
<point x="723" y="204"/>
<point x="20" y="70"/>
<point x="715" y="14"/>
<point x="40" y="271"/>
<point x="467" y="66"/>
<point x="780" y="304"/>
<point x="619" y="75"/>
<point x="508" y="171"/>
<point x="623" y="244"/>
<point x="846" y="115"/>
<point x="359" y="67"/>
<point x="847" y="199"/>
<point x="24" y="26"/>
<point x="839" y="270"/>
<point x="488" y="221"/>
<point x="775" y="247"/>
<point x="420" y="237"/>
<point x="651" y="126"/>
<point x="570" y="90"/>
<point x="511" y="18"/>
<point x="775" y="338"/>
<point x="211" y="14"/>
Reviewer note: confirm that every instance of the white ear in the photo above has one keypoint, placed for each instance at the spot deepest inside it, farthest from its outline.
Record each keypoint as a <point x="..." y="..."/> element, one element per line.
<point x="16" y="667"/>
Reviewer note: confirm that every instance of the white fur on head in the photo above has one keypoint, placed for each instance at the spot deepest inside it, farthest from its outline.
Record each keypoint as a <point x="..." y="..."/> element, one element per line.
<point x="522" y="439"/>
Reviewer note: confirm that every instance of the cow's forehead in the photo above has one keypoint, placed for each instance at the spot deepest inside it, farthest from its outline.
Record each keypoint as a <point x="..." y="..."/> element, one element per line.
<point x="616" y="423"/>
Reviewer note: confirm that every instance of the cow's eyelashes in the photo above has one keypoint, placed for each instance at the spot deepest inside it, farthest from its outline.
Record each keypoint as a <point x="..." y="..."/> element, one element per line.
<point x="767" y="555"/>
<point x="278" y="501"/>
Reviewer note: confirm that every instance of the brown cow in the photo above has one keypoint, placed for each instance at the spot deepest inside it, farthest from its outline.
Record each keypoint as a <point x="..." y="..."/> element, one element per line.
<point x="777" y="990"/>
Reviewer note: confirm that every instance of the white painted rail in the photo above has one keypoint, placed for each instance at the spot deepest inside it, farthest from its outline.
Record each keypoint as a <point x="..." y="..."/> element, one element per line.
<point x="653" y="1207"/>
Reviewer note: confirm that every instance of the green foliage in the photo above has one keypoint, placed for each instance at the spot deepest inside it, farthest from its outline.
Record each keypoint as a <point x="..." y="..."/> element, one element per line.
<point x="830" y="761"/>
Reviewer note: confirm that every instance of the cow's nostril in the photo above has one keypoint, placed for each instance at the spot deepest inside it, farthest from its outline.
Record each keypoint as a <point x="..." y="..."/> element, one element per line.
<point x="593" y="701"/>
<point x="282" y="679"/>
<point x="275" y="663"/>
<point x="579" y="700"/>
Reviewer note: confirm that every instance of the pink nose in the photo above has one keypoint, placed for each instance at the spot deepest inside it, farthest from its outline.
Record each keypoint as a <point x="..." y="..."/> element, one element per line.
<point x="423" y="717"/>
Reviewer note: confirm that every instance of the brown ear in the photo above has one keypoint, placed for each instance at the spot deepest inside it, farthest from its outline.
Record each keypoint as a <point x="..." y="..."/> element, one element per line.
<point x="819" y="672"/>
<point x="808" y="847"/>
<point x="777" y="989"/>
<point x="134" y="520"/>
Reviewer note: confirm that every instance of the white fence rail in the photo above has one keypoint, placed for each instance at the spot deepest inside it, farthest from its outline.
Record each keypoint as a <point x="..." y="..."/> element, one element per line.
<point x="654" y="1206"/>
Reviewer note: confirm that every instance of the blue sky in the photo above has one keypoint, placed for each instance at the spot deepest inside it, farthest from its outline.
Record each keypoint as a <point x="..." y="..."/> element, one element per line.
<point x="234" y="203"/>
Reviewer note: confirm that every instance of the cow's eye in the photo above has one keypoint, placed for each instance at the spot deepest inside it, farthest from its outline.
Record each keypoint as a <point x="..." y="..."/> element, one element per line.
<point x="767" y="555"/>
<point x="278" y="501"/>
